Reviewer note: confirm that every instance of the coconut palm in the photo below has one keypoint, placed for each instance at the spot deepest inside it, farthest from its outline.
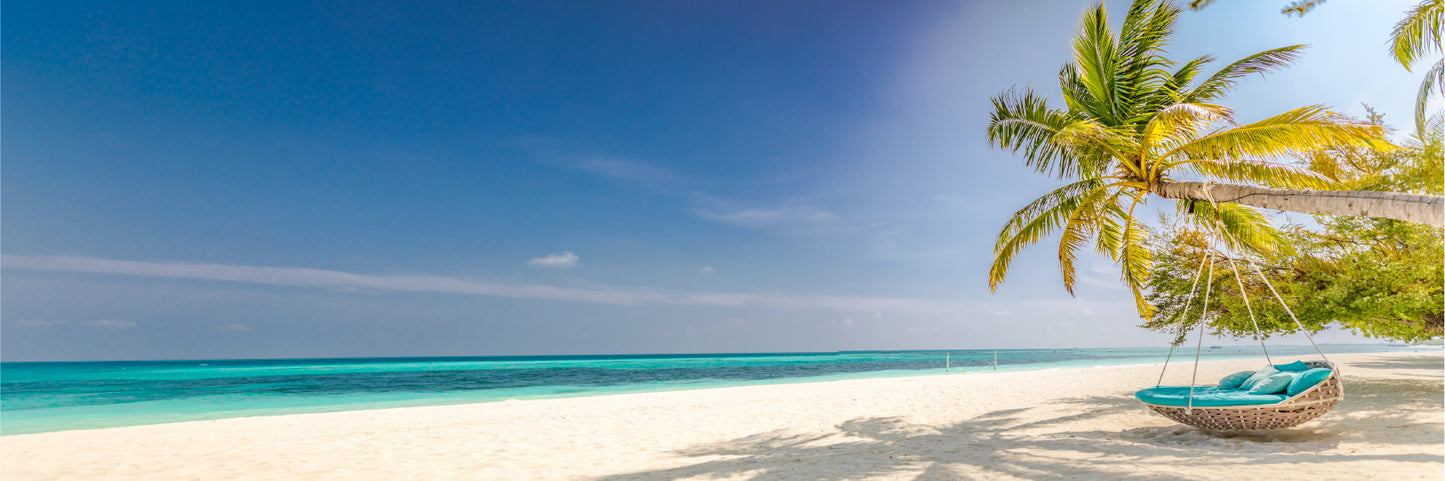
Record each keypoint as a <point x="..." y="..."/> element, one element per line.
<point x="1414" y="37"/>
<point x="1133" y="123"/>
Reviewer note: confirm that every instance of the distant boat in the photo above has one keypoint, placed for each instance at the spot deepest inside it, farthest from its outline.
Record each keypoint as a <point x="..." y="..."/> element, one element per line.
<point x="1216" y="347"/>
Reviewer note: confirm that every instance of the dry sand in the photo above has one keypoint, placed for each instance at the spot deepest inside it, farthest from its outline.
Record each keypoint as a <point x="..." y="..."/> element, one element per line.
<point x="1046" y="425"/>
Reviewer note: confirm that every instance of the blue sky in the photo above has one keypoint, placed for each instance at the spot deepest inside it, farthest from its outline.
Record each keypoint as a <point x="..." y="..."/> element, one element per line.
<point x="252" y="179"/>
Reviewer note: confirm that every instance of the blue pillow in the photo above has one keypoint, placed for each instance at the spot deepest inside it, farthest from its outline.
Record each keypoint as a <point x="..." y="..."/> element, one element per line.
<point x="1260" y="375"/>
<point x="1233" y="381"/>
<point x="1307" y="379"/>
<point x="1296" y="366"/>
<point x="1273" y="385"/>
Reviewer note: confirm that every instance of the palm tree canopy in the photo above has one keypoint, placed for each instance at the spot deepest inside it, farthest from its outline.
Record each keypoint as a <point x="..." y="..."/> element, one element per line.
<point x="1133" y="120"/>
<point x="1417" y="36"/>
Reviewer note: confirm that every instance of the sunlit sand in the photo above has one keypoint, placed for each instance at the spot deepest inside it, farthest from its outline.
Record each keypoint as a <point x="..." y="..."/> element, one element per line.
<point x="1058" y="424"/>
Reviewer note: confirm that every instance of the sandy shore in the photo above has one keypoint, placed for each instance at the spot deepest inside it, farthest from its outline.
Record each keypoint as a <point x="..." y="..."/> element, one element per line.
<point x="1060" y="424"/>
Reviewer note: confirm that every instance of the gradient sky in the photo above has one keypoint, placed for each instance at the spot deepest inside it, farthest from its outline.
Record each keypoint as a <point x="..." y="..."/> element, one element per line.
<point x="316" y="179"/>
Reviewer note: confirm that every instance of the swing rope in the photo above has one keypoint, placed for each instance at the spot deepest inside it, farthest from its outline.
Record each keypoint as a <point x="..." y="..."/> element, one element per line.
<point x="1292" y="316"/>
<point x="1184" y="314"/>
<point x="1247" y="308"/>
<point x="1199" y="344"/>
<point x="1208" y="185"/>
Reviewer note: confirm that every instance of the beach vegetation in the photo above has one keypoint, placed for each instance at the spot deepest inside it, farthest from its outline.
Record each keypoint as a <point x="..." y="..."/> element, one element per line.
<point x="1297" y="7"/>
<point x="1380" y="278"/>
<point x="1414" y="38"/>
<point x="1135" y="124"/>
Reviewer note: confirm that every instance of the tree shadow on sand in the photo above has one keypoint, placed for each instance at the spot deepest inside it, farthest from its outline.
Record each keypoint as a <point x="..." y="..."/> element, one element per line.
<point x="1017" y="444"/>
<point x="1430" y="365"/>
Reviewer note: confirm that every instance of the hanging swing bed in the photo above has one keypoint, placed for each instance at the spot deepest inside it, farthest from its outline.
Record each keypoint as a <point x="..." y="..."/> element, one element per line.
<point x="1273" y="397"/>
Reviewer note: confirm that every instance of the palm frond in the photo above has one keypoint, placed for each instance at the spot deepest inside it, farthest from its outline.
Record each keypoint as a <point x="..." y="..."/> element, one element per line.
<point x="1223" y="81"/>
<point x="1024" y="122"/>
<point x="1033" y="222"/>
<point x="1096" y="58"/>
<point x="1270" y="174"/>
<point x="1293" y="133"/>
<point x="1300" y="7"/>
<point x="1092" y="136"/>
<point x="1172" y="90"/>
<point x="1178" y="122"/>
<point x="1434" y="78"/>
<point x="1241" y="227"/>
<point x="1080" y="224"/>
<point x="1136" y="259"/>
<point x="1418" y="34"/>
<point x="1141" y="71"/>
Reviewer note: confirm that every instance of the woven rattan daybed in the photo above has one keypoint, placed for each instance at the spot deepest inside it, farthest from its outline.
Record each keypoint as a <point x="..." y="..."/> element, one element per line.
<point x="1290" y="412"/>
<point x="1226" y="407"/>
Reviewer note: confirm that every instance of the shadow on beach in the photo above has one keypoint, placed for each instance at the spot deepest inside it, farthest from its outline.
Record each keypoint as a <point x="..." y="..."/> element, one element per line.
<point x="1425" y="363"/>
<point x="1028" y="443"/>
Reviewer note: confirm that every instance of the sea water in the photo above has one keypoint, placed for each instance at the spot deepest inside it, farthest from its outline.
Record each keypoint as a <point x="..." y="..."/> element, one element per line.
<point x="55" y="396"/>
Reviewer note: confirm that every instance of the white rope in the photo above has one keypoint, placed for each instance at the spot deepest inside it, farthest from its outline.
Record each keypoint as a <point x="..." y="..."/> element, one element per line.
<point x="1193" y="289"/>
<point x="1199" y="346"/>
<point x="1292" y="316"/>
<point x="1208" y="185"/>
<point x="1244" y="295"/>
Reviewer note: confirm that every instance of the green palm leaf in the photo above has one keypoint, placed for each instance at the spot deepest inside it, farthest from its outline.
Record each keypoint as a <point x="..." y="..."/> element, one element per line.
<point x="1418" y="34"/>
<point x="1223" y="81"/>
<point x="1293" y="133"/>
<point x="1241" y="227"/>
<point x="1036" y="220"/>
<point x="1434" y="78"/>
<point x="1079" y="226"/>
<point x="1024" y="122"/>
<point x="1132" y="122"/>
<point x="1261" y="172"/>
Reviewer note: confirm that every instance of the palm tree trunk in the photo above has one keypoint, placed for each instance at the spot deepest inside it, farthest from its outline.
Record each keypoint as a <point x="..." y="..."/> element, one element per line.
<point x="1418" y="208"/>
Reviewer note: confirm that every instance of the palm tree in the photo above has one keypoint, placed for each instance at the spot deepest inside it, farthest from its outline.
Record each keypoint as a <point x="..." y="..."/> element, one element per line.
<point x="1416" y="36"/>
<point x="1134" y="121"/>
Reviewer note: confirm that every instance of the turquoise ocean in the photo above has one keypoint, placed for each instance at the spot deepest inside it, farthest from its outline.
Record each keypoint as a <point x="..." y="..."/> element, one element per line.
<point x="55" y="396"/>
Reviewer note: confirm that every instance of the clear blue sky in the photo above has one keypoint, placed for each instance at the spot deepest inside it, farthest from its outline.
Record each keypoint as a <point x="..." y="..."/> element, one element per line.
<point x="310" y="179"/>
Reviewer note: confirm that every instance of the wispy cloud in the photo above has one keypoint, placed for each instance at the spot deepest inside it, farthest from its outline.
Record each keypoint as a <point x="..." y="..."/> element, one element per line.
<point x="38" y="323"/>
<point x="791" y="217"/>
<point x="556" y="152"/>
<point x="706" y="270"/>
<point x="103" y="323"/>
<point x="625" y="169"/>
<point x="786" y="215"/>
<point x="1101" y="275"/>
<point x="561" y="259"/>
<point x="346" y="281"/>
<point x="111" y="324"/>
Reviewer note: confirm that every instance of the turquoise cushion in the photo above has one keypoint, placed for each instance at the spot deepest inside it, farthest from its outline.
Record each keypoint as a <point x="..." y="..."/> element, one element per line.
<point x="1306" y="380"/>
<point x="1296" y="366"/>
<point x="1204" y="396"/>
<point x="1275" y="384"/>
<point x="1260" y="375"/>
<point x="1233" y="381"/>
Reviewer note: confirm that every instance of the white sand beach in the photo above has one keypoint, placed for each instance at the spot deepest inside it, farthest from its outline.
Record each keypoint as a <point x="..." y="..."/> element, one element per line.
<point x="1047" y="425"/>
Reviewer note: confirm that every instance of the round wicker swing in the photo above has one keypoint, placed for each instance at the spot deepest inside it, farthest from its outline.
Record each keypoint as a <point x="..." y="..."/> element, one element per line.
<point x="1299" y="409"/>
<point x="1292" y="411"/>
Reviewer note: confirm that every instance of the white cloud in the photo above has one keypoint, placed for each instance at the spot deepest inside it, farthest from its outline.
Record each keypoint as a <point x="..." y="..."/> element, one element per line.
<point x="707" y="270"/>
<point x="564" y="259"/>
<point x="785" y="217"/>
<point x="234" y="327"/>
<point x="38" y="323"/>
<point x="341" y="281"/>
<point x="1102" y="275"/>
<point x="624" y="169"/>
<point x="112" y="324"/>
